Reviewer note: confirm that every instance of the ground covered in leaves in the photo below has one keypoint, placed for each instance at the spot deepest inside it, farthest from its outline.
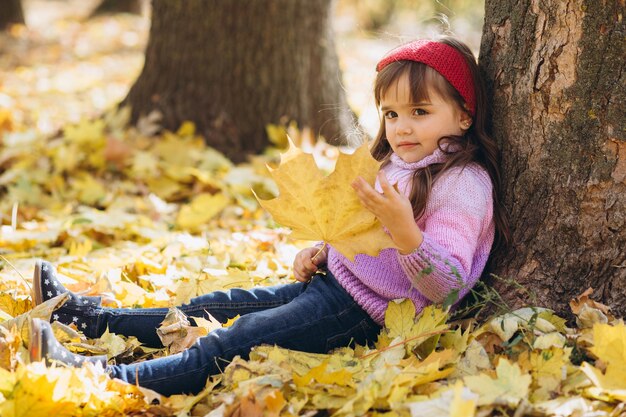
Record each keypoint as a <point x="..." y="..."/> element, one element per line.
<point x="152" y="221"/>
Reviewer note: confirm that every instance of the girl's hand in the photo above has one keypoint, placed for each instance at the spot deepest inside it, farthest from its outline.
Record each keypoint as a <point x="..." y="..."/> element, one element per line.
<point x="305" y="265"/>
<point x="394" y="211"/>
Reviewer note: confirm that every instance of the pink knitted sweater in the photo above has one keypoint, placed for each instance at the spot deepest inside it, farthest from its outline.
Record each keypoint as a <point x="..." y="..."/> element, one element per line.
<point x="458" y="231"/>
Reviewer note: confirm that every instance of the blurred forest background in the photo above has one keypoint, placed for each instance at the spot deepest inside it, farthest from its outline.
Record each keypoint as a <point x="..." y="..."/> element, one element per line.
<point x="63" y="65"/>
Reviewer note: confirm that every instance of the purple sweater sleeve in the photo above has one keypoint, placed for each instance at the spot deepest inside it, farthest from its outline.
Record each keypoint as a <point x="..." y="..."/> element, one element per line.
<point x="458" y="233"/>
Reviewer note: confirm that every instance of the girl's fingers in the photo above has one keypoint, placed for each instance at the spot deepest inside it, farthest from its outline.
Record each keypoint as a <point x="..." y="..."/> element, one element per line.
<point x="300" y="278"/>
<point x="365" y="191"/>
<point x="384" y="182"/>
<point x="301" y="275"/>
<point x="309" y="266"/>
<point x="385" y="185"/>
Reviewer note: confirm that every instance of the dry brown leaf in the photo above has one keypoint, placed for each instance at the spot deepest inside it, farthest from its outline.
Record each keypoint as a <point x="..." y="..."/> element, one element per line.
<point x="577" y="303"/>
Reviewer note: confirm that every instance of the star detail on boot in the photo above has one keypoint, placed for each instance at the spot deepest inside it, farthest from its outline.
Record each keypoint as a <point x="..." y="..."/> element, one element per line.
<point x="47" y="285"/>
<point x="42" y="345"/>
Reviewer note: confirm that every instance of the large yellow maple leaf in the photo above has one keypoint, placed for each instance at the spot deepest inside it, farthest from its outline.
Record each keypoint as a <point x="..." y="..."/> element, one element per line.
<point x="326" y="208"/>
<point x="610" y="347"/>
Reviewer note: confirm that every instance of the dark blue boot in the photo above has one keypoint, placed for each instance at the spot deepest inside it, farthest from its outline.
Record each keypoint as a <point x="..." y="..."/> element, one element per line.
<point x="75" y="310"/>
<point x="44" y="346"/>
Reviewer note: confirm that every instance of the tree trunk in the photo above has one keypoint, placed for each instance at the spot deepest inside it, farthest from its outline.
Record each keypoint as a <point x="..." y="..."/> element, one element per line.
<point x="556" y="76"/>
<point x="232" y="67"/>
<point x="117" y="6"/>
<point x="11" y="13"/>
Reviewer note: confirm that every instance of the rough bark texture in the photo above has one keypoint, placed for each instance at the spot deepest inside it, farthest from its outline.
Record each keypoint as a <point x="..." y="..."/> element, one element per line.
<point x="232" y="67"/>
<point x="555" y="70"/>
<point x="117" y="6"/>
<point x="11" y="12"/>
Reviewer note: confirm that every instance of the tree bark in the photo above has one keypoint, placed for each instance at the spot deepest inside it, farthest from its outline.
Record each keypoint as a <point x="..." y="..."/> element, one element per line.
<point x="117" y="6"/>
<point x="555" y="72"/>
<point x="232" y="67"/>
<point x="11" y="13"/>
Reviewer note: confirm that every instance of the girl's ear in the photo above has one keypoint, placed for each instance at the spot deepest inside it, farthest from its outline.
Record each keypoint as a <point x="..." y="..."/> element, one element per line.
<point x="465" y="121"/>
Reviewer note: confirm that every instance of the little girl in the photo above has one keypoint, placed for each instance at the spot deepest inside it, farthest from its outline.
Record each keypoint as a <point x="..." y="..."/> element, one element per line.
<point x="436" y="195"/>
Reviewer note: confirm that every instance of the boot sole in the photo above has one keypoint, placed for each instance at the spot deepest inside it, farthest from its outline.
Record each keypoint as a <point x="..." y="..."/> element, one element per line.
<point x="37" y="294"/>
<point x="35" y="344"/>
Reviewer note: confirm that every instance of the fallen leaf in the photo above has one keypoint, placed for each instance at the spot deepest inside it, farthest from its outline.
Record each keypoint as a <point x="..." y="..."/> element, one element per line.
<point x="201" y="209"/>
<point x="176" y="333"/>
<point x="610" y="346"/>
<point x="509" y="386"/>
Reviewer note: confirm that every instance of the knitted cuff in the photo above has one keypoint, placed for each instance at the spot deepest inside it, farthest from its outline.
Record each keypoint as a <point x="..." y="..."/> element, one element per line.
<point x="432" y="270"/>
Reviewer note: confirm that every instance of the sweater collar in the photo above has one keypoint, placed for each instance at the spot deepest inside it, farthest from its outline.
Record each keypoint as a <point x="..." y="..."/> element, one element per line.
<point x="436" y="157"/>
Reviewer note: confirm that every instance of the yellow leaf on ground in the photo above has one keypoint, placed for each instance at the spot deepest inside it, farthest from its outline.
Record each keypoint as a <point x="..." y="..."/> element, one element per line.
<point x="399" y="318"/>
<point x="474" y="360"/>
<point x="274" y="402"/>
<point x="187" y="128"/>
<point x="232" y="321"/>
<point x="208" y="325"/>
<point x="201" y="209"/>
<point x="85" y="131"/>
<point x="88" y="190"/>
<point x="548" y="368"/>
<point x="433" y="368"/>
<point x="431" y="323"/>
<point x="457" y="401"/>
<point x="609" y="346"/>
<point x="14" y="304"/>
<point x="43" y="311"/>
<point x="7" y="380"/>
<point x="316" y="207"/>
<point x="460" y="406"/>
<point x="341" y="377"/>
<point x="113" y="343"/>
<point x="508" y="388"/>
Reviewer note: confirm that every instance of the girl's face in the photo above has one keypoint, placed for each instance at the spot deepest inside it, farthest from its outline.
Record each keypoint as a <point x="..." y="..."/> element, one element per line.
<point x="414" y="129"/>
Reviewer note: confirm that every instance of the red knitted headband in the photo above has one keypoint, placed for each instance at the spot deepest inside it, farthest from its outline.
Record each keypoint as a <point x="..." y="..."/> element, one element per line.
<point x="445" y="59"/>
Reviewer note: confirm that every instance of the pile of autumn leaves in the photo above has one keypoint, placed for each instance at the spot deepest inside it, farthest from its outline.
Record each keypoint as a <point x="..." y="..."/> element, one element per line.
<point x="135" y="218"/>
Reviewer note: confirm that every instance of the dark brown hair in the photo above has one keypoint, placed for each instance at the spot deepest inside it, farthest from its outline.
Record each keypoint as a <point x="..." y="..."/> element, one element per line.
<point x="475" y="145"/>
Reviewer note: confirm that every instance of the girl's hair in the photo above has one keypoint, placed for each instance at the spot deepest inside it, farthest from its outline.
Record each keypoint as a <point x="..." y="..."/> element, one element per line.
<point x="475" y="145"/>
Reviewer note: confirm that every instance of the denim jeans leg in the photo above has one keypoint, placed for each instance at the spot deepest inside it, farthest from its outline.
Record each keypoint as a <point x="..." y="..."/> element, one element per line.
<point x="223" y="305"/>
<point x="321" y="318"/>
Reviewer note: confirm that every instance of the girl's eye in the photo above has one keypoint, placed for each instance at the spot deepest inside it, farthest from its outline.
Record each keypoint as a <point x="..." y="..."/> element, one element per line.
<point x="391" y="114"/>
<point x="420" y="112"/>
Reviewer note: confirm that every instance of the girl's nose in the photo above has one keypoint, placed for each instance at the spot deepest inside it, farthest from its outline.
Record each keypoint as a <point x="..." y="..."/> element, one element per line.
<point x="403" y="129"/>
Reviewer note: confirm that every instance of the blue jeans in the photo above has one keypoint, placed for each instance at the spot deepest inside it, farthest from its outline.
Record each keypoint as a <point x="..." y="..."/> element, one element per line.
<point x="314" y="317"/>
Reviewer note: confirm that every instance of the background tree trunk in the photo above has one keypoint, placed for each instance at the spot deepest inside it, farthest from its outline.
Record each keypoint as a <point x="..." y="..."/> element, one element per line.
<point x="11" y="12"/>
<point x="232" y="67"/>
<point x="556" y="76"/>
<point x="117" y="6"/>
